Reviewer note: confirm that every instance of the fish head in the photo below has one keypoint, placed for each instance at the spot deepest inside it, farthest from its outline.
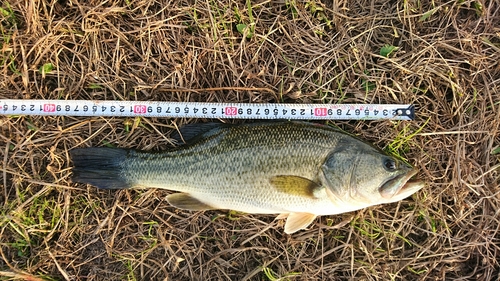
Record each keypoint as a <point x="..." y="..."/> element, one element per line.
<point x="362" y="175"/>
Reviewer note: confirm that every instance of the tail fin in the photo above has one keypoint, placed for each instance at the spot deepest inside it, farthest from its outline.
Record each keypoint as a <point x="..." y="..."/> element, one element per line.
<point x="100" y="167"/>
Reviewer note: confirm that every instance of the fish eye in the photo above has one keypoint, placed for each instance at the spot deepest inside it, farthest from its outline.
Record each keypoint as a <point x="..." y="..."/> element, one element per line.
<point x="390" y="165"/>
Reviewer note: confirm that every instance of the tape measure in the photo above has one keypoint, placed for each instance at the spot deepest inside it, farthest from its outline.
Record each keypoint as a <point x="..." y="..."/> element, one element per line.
<point x="207" y="110"/>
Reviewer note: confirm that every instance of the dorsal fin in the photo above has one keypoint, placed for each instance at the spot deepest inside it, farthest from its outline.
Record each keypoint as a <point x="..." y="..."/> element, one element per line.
<point x="189" y="132"/>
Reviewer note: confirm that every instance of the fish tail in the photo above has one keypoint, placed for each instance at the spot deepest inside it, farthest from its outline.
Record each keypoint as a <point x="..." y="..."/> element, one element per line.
<point x="100" y="166"/>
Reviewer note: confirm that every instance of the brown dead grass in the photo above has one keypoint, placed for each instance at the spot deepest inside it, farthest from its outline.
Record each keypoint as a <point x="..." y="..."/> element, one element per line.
<point x="447" y="64"/>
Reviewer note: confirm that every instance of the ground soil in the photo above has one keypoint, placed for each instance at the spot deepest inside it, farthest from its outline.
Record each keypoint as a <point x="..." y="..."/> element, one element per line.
<point x="446" y="61"/>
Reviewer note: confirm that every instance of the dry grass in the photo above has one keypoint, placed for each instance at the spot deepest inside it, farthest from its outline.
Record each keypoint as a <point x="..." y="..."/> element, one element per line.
<point x="447" y="63"/>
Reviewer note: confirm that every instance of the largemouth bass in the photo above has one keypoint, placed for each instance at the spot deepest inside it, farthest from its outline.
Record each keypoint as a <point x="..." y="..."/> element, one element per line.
<point x="298" y="170"/>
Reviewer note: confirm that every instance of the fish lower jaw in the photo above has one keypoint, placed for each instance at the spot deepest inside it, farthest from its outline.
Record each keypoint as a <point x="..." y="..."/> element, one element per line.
<point x="409" y="188"/>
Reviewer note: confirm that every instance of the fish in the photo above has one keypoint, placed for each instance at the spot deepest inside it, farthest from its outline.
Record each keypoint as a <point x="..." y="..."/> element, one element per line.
<point x="297" y="170"/>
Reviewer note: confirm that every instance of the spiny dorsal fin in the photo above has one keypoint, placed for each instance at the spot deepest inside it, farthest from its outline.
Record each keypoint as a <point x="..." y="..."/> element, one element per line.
<point x="187" y="202"/>
<point x="189" y="132"/>
<point x="295" y="185"/>
<point x="298" y="221"/>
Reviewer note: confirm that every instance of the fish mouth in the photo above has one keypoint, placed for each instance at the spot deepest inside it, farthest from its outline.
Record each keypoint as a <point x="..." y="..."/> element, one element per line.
<point x="401" y="186"/>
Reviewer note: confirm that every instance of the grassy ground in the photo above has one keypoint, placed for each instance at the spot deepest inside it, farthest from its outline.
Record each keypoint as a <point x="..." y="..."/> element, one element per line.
<point x="443" y="56"/>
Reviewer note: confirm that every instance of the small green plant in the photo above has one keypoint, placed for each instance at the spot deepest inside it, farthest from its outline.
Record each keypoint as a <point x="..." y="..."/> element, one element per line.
<point x="151" y="225"/>
<point x="130" y="275"/>
<point x="195" y="24"/>
<point x="233" y="215"/>
<point x="479" y="8"/>
<point x="273" y="276"/>
<point x="292" y="7"/>
<point x="367" y="228"/>
<point x="401" y="143"/>
<point x="269" y="273"/>
<point x="8" y="15"/>
<point x="94" y="86"/>
<point x="107" y="143"/>
<point x="387" y="50"/>
<point x="428" y="14"/>
<point x="411" y="269"/>
<point x="31" y="126"/>
<point x="424" y="216"/>
<point x="150" y="238"/>
<point x="9" y="60"/>
<point x="22" y="247"/>
<point x="45" y="69"/>
<point x="495" y="150"/>
<point x="246" y="29"/>
<point x="319" y="12"/>
<point x="366" y="84"/>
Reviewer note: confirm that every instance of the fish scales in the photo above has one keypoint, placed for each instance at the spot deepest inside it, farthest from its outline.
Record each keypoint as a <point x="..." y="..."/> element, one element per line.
<point x="213" y="167"/>
<point x="290" y="168"/>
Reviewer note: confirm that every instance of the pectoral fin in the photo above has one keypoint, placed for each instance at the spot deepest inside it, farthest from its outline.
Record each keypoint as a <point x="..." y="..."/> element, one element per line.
<point x="187" y="202"/>
<point x="295" y="185"/>
<point x="298" y="221"/>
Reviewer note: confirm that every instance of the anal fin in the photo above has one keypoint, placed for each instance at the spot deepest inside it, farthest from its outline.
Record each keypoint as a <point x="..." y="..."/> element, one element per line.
<point x="187" y="202"/>
<point x="298" y="221"/>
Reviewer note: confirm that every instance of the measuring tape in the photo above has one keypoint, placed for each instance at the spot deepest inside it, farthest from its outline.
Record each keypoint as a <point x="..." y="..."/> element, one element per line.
<point x="207" y="110"/>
